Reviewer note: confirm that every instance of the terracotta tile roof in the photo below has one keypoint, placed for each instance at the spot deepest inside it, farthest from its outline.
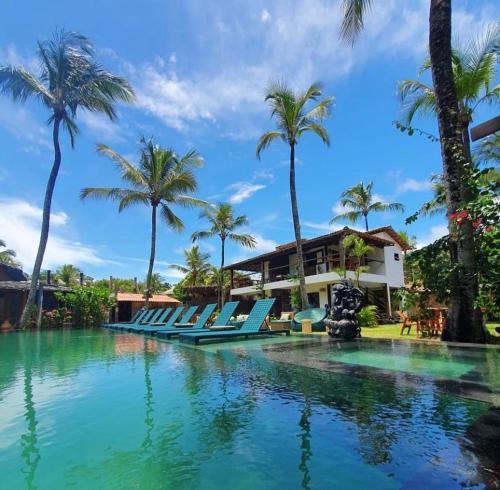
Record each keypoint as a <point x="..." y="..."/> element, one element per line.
<point x="156" y="298"/>
<point x="393" y="234"/>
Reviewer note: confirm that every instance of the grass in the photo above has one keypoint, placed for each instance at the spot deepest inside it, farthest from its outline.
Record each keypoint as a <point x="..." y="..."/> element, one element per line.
<point x="393" y="331"/>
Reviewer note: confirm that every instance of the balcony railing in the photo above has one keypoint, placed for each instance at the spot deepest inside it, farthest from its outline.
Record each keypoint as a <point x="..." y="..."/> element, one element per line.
<point x="312" y="267"/>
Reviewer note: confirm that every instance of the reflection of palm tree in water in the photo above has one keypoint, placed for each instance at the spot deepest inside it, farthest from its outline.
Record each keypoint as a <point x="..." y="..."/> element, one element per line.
<point x="305" y="444"/>
<point x="30" y="452"/>
<point x="148" y="398"/>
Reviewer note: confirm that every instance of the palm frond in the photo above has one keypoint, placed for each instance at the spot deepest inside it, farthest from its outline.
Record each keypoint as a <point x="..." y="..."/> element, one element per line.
<point x="20" y="85"/>
<point x="353" y="20"/>
<point x="351" y="216"/>
<point x="316" y="129"/>
<point x="266" y="139"/>
<point x="129" y="172"/>
<point x="416" y="97"/>
<point x="199" y="235"/>
<point x="171" y="219"/>
<point x="243" y="239"/>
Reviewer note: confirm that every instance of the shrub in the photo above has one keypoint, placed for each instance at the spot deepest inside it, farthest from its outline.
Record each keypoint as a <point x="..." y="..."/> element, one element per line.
<point x="88" y="305"/>
<point x="367" y="316"/>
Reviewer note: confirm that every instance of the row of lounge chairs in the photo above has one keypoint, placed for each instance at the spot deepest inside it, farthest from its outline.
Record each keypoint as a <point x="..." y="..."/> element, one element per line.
<point x="163" y="323"/>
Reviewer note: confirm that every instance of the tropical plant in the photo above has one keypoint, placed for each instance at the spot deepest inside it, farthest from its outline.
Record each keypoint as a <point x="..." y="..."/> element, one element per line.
<point x="411" y="241"/>
<point x="223" y="224"/>
<point x="359" y="203"/>
<point x="68" y="274"/>
<point x="293" y="120"/>
<point x="464" y="318"/>
<point x="161" y="180"/>
<point x="89" y="305"/>
<point x="356" y="247"/>
<point x="8" y="256"/>
<point x="474" y="73"/>
<point x="69" y="79"/>
<point x="158" y="284"/>
<point x="196" y="268"/>
<point x="367" y="316"/>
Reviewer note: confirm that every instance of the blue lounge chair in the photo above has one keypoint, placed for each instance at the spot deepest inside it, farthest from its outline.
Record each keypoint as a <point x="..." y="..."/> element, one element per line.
<point x="250" y="328"/>
<point x="200" y="323"/>
<point x="156" y="326"/>
<point x="161" y="318"/>
<point x="142" y="318"/>
<point x="136" y="317"/>
<point x="187" y="316"/>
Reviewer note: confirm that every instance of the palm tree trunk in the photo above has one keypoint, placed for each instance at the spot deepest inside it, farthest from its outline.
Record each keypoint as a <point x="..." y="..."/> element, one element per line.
<point x="44" y="233"/>
<point x="366" y="221"/>
<point x="221" y="274"/>
<point x="464" y="320"/>
<point x="296" y="227"/>
<point x="151" y="256"/>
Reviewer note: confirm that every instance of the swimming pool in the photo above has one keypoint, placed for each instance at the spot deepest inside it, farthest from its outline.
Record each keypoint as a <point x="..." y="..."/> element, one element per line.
<point x="96" y="409"/>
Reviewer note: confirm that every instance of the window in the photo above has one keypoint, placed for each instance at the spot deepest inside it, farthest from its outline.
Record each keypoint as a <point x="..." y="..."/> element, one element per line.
<point x="396" y="257"/>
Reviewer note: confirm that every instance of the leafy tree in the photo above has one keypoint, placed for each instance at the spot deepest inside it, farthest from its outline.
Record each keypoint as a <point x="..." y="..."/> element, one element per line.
<point x="8" y="256"/>
<point x="223" y="224"/>
<point x="358" y="200"/>
<point x="68" y="274"/>
<point x="161" y="180"/>
<point x="70" y="78"/>
<point x="411" y="241"/>
<point x="158" y="284"/>
<point x="356" y="247"/>
<point x="196" y="268"/>
<point x="293" y="120"/>
<point x="464" y="318"/>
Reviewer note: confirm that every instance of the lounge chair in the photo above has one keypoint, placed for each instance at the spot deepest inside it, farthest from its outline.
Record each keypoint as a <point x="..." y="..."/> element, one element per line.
<point x="148" y="314"/>
<point x="156" y="326"/>
<point x="186" y="317"/>
<point x="250" y="328"/>
<point x="198" y="325"/>
<point x="156" y="318"/>
<point x="316" y="317"/>
<point x="136" y="318"/>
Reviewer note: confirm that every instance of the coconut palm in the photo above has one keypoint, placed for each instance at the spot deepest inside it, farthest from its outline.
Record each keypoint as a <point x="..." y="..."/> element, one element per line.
<point x="464" y="318"/>
<point x="356" y="247"/>
<point x="223" y="224"/>
<point x="474" y="73"/>
<point x="161" y="180"/>
<point x="359" y="203"/>
<point x="8" y="256"/>
<point x="69" y="79"/>
<point x="293" y="119"/>
<point x="68" y="274"/>
<point x="196" y="268"/>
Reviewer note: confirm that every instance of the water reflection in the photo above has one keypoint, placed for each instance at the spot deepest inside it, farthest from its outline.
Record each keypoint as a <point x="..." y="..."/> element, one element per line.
<point x="163" y="416"/>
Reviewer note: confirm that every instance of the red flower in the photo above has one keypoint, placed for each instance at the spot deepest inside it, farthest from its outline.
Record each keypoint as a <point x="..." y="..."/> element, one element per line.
<point x="452" y="215"/>
<point x="476" y="223"/>
<point x="462" y="214"/>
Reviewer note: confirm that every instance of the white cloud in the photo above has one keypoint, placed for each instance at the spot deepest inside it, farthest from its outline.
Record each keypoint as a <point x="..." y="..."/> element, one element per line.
<point x="243" y="191"/>
<point x="265" y="16"/>
<point x="413" y="185"/>
<point x="322" y="226"/>
<point x="101" y="126"/>
<point x="337" y="208"/>
<point x="264" y="174"/>
<point x="435" y="233"/>
<point x="20" y="224"/>
<point x="263" y="245"/>
<point x="173" y="58"/>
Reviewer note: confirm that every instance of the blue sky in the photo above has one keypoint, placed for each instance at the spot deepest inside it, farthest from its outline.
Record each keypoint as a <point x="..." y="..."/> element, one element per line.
<point x="200" y="69"/>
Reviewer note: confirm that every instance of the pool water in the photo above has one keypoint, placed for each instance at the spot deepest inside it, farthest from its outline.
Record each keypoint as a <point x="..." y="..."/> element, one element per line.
<point x="96" y="409"/>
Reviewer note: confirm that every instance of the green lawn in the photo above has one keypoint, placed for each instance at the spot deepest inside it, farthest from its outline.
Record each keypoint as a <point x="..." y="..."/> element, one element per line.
<point x="394" y="332"/>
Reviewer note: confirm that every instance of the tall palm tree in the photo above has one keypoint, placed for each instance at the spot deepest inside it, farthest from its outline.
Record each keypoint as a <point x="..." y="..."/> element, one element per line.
<point x="69" y="79"/>
<point x="474" y="73"/>
<point x="464" y="318"/>
<point x="196" y="268"/>
<point x="161" y="180"/>
<point x="8" y="256"/>
<point x="223" y="224"/>
<point x="293" y="119"/>
<point x="359" y="203"/>
<point x="68" y="274"/>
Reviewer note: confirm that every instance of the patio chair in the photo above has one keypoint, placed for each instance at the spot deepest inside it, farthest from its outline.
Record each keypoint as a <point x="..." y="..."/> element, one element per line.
<point x="148" y="314"/>
<point x="198" y="325"/>
<point x="163" y="314"/>
<point x="187" y="316"/>
<point x="156" y="326"/>
<point x="139" y="314"/>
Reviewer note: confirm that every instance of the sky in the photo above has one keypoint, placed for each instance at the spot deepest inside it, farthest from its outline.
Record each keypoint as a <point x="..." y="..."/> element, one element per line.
<point x="200" y="69"/>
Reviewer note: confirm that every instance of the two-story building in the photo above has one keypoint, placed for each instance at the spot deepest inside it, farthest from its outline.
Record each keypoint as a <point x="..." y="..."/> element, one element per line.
<point x="272" y="274"/>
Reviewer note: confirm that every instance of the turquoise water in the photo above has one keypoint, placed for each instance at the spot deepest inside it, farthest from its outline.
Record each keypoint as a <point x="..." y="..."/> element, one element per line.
<point x="100" y="410"/>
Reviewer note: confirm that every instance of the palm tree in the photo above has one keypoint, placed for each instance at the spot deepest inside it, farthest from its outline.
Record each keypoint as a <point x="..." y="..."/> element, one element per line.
<point x="8" y="256"/>
<point x="69" y="79"/>
<point x="196" y="268"/>
<point x="292" y="121"/>
<point x="68" y="274"/>
<point x="358" y="200"/>
<point x="464" y="318"/>
<point x="356" y="247"/>
<point x="223" y="224"/>
<point x="161" y="180"/>
<point x="474" y="72"/>
<point x="157" y="283"/>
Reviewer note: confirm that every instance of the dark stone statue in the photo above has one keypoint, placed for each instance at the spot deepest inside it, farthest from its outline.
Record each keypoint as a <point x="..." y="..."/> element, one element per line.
<point x="347" y="300"/>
